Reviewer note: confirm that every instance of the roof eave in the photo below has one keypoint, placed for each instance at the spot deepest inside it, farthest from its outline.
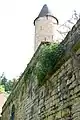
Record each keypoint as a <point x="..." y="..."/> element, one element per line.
<point x="46" y="16"/>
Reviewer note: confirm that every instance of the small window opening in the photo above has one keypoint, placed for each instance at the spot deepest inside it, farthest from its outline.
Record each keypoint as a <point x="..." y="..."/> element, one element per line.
<point x="13" y="112"/>
<point x="45" y="39"/>
<point x="47" y="17"/>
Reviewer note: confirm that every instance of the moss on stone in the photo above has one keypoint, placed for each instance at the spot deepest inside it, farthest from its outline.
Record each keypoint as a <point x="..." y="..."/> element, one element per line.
<point x="76" y="46"/>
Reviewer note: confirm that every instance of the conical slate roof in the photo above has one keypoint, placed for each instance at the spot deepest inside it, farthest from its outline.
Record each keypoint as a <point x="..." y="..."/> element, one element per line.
<point x="45" y="12"/>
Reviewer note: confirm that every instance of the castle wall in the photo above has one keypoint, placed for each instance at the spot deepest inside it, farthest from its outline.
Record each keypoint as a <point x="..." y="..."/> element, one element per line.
<point x="59" y="97"/>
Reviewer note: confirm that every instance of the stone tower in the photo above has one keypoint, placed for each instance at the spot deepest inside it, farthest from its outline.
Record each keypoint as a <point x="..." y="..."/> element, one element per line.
<point x="45" y="26"/>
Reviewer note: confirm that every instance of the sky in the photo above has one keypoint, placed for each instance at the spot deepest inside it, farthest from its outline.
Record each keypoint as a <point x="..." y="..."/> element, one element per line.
<point x="17" y="30"/>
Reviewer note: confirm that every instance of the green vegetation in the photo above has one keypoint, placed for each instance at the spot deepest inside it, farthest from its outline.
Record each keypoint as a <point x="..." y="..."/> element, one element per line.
<point x="50" y="54"/>
<point x="76" y="46"/>
<point x="27" y="74"/>
<point x="47" y="61"/>
<point x="2" y="89"/>
<point x="5" y="84"/>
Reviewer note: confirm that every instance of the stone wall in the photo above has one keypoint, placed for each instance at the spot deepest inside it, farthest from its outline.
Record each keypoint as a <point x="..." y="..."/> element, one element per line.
<point x="59" y="97"/>
<point x="45" y="28"/>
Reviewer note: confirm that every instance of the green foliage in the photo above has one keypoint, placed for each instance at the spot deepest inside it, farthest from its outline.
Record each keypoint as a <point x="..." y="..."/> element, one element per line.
<point x="9" y="86"/>
<point x="50" y="54"/>
<point x="5" y="84"/>
<point x="27" y="73"/>
<point x="2" y="88"/>
<point x="76" y="46"/>
<point x="48" y="57"/>
<point x="3" y="80"/>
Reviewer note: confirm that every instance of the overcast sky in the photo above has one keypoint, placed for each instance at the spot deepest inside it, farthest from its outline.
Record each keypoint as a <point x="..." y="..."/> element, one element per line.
<point x="17" y="30"/>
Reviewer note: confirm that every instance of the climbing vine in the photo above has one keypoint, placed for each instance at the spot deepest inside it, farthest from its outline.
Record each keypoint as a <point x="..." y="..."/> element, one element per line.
<point x="76" y="46"/>
<point x="27" y="74"/>
<point x="49" y="55"/>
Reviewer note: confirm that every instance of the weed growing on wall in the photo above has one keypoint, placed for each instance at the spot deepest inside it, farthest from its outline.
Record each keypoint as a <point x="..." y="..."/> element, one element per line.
<point x="48" y="57"/>
<point x="50" y="54"/>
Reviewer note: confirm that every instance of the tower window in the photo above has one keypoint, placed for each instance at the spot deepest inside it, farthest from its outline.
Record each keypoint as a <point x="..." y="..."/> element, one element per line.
<point x="47" y="17"/>
<point x="45" y="38"/>
<point x="52" y="37"/>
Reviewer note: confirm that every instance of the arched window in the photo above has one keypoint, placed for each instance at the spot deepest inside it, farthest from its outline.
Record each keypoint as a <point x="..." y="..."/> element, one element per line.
<point x="13" y="112"/>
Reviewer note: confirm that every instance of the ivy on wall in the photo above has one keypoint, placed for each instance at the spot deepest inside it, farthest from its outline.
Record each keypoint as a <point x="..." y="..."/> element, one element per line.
<point x="76" y="46"/>
<point x="50" y="58"/>
<point x="27" y="74"/>
<point x="49" y="55"/>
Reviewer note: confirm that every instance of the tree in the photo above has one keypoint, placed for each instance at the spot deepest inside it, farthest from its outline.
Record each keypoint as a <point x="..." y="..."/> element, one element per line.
<point x="5" y="84"/>
<point x="9" y="86"/>
<point x="4" y="81"/>
<point x="66" y="27"/>
<point x="2" y="88"/>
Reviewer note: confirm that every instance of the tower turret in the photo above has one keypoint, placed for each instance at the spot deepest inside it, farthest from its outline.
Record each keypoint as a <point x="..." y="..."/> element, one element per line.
<point x="45" y="26"/>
